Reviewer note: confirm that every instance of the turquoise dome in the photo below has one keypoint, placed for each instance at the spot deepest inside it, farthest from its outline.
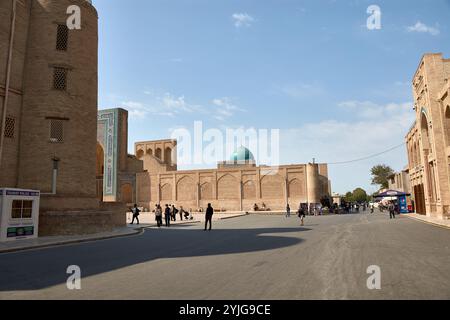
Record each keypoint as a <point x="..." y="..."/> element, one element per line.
<point x="242" y="154"/>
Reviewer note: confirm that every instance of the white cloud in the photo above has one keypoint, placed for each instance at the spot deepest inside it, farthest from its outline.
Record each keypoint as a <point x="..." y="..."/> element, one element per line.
<point x="242" y="20"/>
<point x="225" y="108"/>
<point x="171" y="105"/>
<point x="175" y="104"/>
<point x="136" y="109"/>
<point x="166" y="105"/>
<point x="423" y="28"/>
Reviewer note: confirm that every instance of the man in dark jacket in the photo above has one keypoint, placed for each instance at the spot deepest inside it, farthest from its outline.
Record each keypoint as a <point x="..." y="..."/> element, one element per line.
<point x="135" y="212"/>
<point x="392" y="210"/>
<point x="167" y="215"/>
<point x="208" y="217"/>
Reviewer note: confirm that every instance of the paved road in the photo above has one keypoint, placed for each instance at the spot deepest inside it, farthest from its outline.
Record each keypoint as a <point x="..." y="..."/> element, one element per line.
<point x="252" y="257"/>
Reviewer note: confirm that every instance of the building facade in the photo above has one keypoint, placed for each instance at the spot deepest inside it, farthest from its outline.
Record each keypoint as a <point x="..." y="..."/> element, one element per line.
<point x="400" y="181"/>
<point x="236" y="185"/>
<point x="428" y="141"/>
<point x="48" y="108"/>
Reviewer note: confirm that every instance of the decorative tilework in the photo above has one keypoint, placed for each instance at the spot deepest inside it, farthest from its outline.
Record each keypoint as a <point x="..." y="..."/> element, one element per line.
<point x="108" y="123"/>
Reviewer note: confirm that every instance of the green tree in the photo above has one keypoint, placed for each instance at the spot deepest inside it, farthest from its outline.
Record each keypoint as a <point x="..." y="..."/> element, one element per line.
<point x="348" y="197"/>
<point x="360" y="195"/>
<point x="380" y="174"/>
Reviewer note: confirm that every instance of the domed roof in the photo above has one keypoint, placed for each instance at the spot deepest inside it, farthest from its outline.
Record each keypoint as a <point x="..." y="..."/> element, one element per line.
<point x="242" y="154"/>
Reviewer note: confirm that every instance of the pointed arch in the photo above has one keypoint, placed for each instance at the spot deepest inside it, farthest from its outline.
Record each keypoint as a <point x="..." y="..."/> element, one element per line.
<point x="227" y="187"/>
<point x="206" y="191"/>
<point x="249" y="190"/>
<point x="166" y="192"/>
<point x="272" y="186"/>
<point x="425" y="132"/>
<point x="168" y="156"/>
<point x="186" y="189"/>
<point x="158" y="153"/>
<point x="296" y="188"/>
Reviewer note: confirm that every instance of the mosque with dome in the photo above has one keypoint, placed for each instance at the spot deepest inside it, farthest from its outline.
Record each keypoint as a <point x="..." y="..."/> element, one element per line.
<point x="235" y="185"/>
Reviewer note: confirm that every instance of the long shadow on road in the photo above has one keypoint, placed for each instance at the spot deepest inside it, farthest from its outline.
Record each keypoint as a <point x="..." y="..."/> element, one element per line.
<point x="40" y="269"/>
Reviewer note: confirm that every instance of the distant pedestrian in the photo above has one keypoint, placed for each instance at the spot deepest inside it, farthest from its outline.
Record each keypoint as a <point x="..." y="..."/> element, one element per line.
<point x="181" y="213"/>
<point x="302" y="215"/>
<point x="288" y="211"/>
<point x="392" y="211"/>
<point x="174" y="212"/>
<point x="158" y="215"/>
<point x="167" y="215"/>
<point x="209" y="216"/>
<point x="135" y="212"/>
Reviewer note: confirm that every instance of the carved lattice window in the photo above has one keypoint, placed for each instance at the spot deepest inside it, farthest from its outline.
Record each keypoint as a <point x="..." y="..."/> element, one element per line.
<point x="10" y="125"/>
<point x="56" y="131"/>
<point x="60" y="78"/>
<point x="62" y="37"/>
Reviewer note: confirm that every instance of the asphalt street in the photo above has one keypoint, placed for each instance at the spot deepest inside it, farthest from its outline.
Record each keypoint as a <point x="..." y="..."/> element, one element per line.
<point x="251" y="257"/>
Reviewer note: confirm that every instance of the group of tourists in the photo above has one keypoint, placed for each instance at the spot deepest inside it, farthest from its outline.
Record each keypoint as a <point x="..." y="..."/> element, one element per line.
<point x="170" y="213"/>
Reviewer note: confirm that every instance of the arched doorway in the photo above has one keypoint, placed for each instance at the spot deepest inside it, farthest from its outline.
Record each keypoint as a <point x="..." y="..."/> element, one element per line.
<point x="168" y="156"/>
<point x="100" y="170"/>
<point x="447" y="125"/>
<point x="158" y="153"/>
<point x="427" y="149"/>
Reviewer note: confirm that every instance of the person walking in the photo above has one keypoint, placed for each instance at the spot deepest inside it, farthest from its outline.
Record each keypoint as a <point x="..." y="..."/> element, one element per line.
<point x="158" y="215"/>
<point x="391" y="211"/>
<point x="302" y="215"/>
<point x="288" y="211"/>
<point x="174" y="212"/>
<point x="135" y="212"/>
<point x="208" y="217"/>
<point x="167" y="215"/>
<point x="181" y="213"/>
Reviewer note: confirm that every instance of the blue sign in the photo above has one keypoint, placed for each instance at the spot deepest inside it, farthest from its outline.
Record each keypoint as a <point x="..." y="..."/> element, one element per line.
<point x="403" y="204"/>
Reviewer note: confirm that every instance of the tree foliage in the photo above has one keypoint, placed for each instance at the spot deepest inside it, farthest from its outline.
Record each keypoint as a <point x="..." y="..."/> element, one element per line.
<point x="380" y="174"/>
<point x="348" y="197"/>
<point x="360" y="195"/>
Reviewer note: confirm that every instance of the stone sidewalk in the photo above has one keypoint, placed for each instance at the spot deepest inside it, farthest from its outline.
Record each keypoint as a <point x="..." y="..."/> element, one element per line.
<point x="429" y="220"/>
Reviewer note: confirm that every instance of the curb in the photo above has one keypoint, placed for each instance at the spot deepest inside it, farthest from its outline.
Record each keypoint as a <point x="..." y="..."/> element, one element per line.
<point x="171" y="225"/>
<point x="69" y="242"/>
<point x="242" y="215"/>
<point x="429" y="223"/>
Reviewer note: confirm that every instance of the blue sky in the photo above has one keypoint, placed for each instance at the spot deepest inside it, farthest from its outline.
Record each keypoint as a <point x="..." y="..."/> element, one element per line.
<point x="336" y="90"/>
